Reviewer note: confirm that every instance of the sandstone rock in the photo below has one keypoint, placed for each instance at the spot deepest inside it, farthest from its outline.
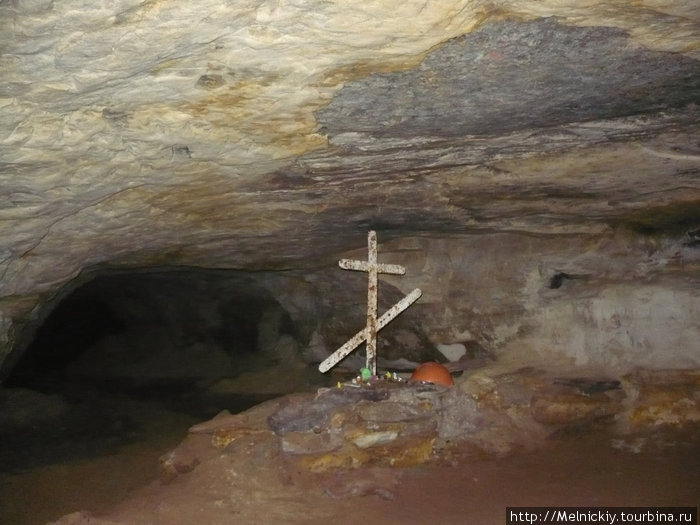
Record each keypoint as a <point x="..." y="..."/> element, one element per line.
<point x="345" y="458"/>
<point x="398" y="452"/>
<point x="222" y="437"/>
<point x="458" y="414"/>
<point x="504" y="390"/>
<point x="310" y="413"/>
<point x="664" y="397"/>
<point x="533" y="164"/>
<point x="371" y="439"/>
<point x="392" y="412"/>
<point x="380" y="423"/>
<point x="566" y="409"/>
<point x="311" y="442"/>
<point x="506" y="181"/>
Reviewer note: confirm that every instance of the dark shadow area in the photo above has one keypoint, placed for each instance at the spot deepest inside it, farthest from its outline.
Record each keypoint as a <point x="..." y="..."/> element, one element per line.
<point x="144" y="326"/>
<point x="127" y="354"/>
<point x="77" y="323"/>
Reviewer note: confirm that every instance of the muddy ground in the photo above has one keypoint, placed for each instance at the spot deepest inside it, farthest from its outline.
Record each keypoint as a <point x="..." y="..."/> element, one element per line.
<point x="129" y="478"/>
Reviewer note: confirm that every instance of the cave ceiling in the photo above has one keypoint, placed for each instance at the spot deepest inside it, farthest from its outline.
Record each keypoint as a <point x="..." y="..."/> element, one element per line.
<point x="272" y="134"/>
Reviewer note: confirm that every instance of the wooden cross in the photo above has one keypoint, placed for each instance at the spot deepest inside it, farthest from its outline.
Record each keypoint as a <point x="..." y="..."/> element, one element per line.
<point x="369" y="334"/>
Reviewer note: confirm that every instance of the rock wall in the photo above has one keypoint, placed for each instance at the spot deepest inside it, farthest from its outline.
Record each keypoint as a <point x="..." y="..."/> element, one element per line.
<point x="607" y="303"/>
<point x="269" y="136"/>
<point x="588" y="302"/>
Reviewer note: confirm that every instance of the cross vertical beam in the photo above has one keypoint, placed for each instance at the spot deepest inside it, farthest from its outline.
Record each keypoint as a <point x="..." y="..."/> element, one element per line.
<point x="372" y="271"/>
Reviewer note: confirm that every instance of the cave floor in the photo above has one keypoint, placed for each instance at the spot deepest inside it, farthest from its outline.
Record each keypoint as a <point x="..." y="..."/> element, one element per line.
<point x="583" y="471"/>
<point x="121" y="484"/>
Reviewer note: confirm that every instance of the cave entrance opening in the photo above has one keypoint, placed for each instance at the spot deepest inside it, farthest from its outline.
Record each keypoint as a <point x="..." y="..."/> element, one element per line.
<point x="123" y="362"/>
<point x="201" y="340"/>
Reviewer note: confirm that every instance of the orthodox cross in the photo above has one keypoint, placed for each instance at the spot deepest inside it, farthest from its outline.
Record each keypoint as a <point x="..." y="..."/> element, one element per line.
<point x="369" y="333"/>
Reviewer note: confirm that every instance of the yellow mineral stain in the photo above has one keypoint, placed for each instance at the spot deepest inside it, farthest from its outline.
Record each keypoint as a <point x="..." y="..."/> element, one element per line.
<point x="348" y="458"/>
<point x="416" y="451"/>
<point x="221" y="438"/>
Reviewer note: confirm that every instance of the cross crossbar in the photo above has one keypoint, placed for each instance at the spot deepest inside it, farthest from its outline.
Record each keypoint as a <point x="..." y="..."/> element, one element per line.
<point x="365" y="266"/>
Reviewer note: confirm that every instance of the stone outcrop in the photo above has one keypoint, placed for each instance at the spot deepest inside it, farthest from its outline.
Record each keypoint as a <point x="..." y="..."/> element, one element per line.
<point x="401" y="424"/>
<point x="304" y="458"/>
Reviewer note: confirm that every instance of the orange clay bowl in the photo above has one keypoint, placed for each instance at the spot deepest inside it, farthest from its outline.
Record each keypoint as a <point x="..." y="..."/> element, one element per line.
<point x="433" y="373"/>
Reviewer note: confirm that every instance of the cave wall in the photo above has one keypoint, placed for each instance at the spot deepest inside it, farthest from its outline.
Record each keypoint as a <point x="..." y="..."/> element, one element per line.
<point x="505" y="144"/>
<point x="599" y="303"/>
<point x="596" y="303"/>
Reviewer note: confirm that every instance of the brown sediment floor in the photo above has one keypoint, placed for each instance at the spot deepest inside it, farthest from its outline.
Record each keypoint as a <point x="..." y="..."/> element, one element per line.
<point x="92" y="456"/>
<point x="254" y="484"/>
<point x="577" y="471"/>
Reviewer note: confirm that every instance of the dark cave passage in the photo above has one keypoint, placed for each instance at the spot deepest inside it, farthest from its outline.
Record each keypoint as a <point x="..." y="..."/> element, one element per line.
<point x="122" y="365"/>
<point x="77" y="323"/>
<point x="130" y="357"/>
<point x="155" y="328"/>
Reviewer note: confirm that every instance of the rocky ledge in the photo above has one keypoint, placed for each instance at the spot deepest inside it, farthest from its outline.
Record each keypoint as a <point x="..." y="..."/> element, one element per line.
<point x="297" y="457"/>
